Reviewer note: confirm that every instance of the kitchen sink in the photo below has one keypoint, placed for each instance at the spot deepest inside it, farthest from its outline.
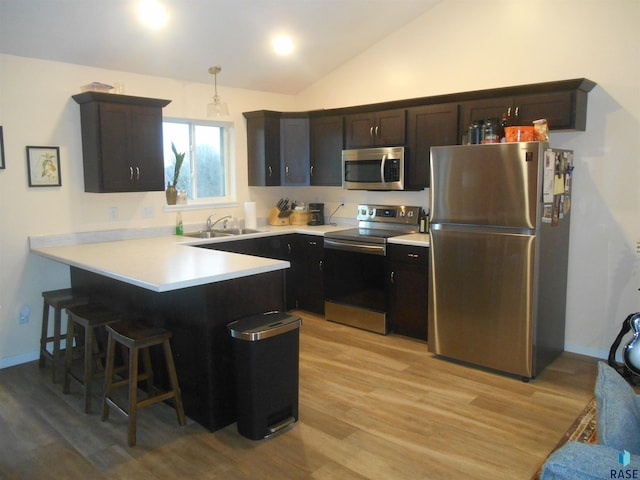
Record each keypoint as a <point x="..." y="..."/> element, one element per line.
<point x="227" y="232"/>
<point x="206" y="234"/>
<point x="236" y="231"/>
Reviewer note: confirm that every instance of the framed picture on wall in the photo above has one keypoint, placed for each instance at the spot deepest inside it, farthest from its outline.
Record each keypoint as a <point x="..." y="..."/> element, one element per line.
<point x="44" y="166"/>
<point x="1" y="149"/>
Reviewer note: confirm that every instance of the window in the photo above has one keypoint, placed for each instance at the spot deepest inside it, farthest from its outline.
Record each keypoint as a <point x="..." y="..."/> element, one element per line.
<point x="206" y="174"/>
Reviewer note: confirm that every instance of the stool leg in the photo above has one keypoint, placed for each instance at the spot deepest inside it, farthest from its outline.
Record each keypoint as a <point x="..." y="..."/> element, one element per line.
<point x="148" y="369"/>
<point x="68" y="357"/>
<point x="44" y="333"/>
<point x="133" y="394"/>
<point x="57" y="321"/>
<point x="88" y="367"/>
<point x="108" y="376"/>
<point x="173" y="380"/>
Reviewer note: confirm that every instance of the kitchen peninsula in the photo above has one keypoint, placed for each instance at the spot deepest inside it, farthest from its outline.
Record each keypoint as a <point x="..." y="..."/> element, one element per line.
<point x="193" y="292"/>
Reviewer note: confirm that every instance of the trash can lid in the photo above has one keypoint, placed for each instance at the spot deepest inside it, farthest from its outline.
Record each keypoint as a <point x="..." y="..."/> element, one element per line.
<point x="265" y="325"/>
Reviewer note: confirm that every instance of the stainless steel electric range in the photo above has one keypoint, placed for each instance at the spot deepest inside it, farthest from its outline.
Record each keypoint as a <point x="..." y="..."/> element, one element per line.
<point x="354" y="265"/>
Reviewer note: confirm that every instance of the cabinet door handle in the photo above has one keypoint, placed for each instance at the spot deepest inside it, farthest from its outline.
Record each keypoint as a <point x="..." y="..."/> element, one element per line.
<point x="286" y="170"/>
<point x="509" y="112"/>
<point x="517" y="112"/>
<point x="137" y="173"/>
<point x="320" y="265"/>
<point x="377" y="130"/>
<point x="392" y="279"/>
<point x="313" y="242"/>
<point x="311" y="171"/>
<point x="289" y="248"/>
<point x="371" y="131"/>
<point x="270" y="170"/>
<point x="413" y="255"/>
<point x="130" y="173"/>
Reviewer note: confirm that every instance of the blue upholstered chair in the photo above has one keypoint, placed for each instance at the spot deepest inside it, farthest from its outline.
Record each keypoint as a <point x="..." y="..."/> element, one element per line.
<point x="617" y="453"/>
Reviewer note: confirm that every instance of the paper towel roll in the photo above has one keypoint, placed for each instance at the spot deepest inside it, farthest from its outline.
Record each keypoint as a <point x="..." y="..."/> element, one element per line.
<point x="250" y="220"/>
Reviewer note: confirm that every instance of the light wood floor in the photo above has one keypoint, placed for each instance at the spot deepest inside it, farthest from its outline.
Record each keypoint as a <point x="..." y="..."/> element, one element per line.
<point x="371" y="407"/>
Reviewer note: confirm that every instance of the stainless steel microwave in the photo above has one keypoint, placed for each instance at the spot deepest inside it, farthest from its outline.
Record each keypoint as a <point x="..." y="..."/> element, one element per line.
<point x="373" y="168"/>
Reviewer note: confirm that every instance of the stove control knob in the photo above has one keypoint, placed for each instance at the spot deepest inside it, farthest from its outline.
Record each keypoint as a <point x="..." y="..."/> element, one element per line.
<point x="410" y="214"/>
<point x="371" y="212"/>
<point x="363" y="211"/>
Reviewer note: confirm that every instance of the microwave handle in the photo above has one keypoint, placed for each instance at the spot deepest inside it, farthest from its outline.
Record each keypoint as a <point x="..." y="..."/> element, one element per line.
<point x="384" y="159"/>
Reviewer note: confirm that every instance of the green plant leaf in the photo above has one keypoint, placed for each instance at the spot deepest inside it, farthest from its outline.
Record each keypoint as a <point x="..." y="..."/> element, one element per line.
<point x="178" y="163"/>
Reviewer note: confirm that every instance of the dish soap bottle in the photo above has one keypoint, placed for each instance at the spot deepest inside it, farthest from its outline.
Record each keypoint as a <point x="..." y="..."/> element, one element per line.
<point x="179" y="227"/>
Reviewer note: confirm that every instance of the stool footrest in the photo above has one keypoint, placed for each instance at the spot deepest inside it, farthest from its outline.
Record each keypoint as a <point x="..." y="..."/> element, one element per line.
<point x="145" y="402"/>
<point x="155" y="399"/>
<point x="125" y="381"/>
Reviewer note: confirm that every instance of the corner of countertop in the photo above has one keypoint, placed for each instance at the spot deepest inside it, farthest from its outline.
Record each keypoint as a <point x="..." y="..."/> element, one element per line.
<point x="78" y="238"/>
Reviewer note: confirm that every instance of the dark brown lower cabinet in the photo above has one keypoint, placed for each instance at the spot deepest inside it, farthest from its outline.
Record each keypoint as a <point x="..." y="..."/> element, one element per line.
<point x="407" y="277"/>
<point x="310" y="280"/>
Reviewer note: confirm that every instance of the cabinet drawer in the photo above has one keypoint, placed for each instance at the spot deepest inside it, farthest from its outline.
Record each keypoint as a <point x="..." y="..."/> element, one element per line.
<point x="408" y="254"/>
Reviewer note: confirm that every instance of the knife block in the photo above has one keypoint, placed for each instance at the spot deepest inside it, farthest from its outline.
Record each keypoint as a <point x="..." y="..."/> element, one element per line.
<point x="276" y="220"/>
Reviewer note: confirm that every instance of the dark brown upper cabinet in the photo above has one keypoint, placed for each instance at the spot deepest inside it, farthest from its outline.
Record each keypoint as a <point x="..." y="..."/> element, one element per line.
<point x="562" y="104"/>
<point x="417" y="123"/>
<point x="327" y="142"/>
<point x="370" y="129"/>
<point x="277" y="148"/>
<point x="294" y="150"/>
<point x="121" y="142"/>
<point x="263" y="148"/>
<point x="428" y="126"/>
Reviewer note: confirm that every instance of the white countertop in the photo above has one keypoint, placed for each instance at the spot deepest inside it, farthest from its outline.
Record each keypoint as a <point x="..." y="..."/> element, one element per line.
<point x="169" y="262"/>
<point x="414" y="239"/>
<point x="159" y="263"/>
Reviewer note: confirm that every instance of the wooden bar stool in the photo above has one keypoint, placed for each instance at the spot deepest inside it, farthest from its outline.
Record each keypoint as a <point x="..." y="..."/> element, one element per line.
<point x="138" y="338"/>
<point x="90" y="317"/>
<point x="58" y="300"/>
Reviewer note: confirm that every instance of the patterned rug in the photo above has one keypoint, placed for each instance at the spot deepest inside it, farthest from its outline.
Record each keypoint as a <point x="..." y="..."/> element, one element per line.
<point x="583" y="429"/>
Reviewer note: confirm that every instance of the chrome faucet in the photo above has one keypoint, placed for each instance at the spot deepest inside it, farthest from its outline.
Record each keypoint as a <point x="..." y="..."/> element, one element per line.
<point x="211" y="224"/>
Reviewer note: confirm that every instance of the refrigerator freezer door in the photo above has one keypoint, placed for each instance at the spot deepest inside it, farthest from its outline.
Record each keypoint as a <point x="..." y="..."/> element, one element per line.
<point x="481" y="298"/>
<point x="494" y="184"/>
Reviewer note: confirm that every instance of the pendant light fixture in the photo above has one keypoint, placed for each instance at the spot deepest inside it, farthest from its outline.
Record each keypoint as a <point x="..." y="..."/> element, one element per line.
<point x="217" y="108"/>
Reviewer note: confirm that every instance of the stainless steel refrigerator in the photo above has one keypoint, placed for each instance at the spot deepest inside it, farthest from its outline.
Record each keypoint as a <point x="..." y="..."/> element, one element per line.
<point x="499" y="246"/>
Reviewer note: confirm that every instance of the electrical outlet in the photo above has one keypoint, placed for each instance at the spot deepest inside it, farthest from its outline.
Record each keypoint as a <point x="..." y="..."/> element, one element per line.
<point x="113" y="213"/>
<point x="147" y="211"/>
<point x="23" y="316"/>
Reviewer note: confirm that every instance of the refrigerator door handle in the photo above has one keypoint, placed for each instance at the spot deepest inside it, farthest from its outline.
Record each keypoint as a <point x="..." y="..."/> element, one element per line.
<point x="481" y="229"/>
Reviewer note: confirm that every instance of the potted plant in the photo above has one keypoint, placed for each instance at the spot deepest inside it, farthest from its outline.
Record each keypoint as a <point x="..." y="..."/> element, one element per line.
<point x="172" y="192"/>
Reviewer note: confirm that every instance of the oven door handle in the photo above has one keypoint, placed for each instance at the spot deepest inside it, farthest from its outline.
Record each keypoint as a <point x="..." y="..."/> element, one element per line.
<point x="358" y="247"/>
<point x="384" y="159"/>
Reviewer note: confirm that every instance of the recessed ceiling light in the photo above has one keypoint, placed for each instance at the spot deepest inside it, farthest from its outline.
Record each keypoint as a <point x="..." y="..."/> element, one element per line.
<point x="152" y="13"/>
<point x="283" y="45"/>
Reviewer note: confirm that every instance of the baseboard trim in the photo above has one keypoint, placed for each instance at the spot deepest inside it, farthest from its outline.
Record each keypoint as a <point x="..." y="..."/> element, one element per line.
<point x="18" y="359"/>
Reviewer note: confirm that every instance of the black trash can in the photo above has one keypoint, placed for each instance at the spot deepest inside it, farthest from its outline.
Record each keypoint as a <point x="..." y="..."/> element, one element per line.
<point x="266" y="357"/>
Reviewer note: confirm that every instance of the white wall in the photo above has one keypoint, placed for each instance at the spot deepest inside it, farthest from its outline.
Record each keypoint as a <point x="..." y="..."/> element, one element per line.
<point x="468" y="45"/>
<point x="459" y="45"/>
<point x="36" y="108"/>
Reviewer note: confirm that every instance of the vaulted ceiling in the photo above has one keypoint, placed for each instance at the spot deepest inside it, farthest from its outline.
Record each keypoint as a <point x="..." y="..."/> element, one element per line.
<point x="235" y="34"/>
